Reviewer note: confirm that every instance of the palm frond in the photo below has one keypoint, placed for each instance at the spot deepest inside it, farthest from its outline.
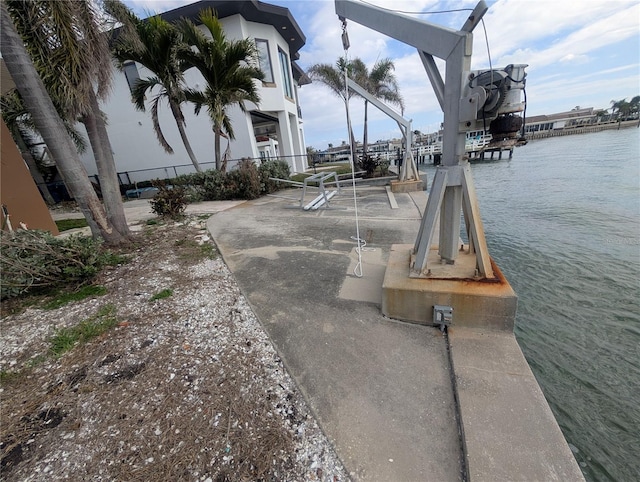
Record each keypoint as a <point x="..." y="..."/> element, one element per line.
<point x="79" y="141"/>
<point x="140" y="89"/>
<point x="126" y="34"/>
<point x="156" y="124"/>
<point x="209" y="19"/>
<point x="330" y="76"/>
<point x="67" y="48"/>
<point x="19" y="121"/>
<point x="228" y="127"/>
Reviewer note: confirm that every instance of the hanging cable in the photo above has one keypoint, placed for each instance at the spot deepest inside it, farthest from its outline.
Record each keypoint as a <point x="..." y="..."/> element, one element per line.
<point x="357" y="271"/>
<point x="486" y="39"/>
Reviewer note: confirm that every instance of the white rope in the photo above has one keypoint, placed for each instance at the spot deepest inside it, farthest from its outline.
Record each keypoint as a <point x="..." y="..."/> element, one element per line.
<point x="357" y="271"/>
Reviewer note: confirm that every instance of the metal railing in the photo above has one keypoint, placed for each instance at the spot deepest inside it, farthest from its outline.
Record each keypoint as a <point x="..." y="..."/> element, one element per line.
<point x="131" y="178"/>
<point x="471" y="145"/>
<point x="134" y="176"/>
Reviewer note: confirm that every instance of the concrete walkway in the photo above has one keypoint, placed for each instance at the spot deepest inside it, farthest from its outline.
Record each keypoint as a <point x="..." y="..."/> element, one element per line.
<point x="383" y="391"/>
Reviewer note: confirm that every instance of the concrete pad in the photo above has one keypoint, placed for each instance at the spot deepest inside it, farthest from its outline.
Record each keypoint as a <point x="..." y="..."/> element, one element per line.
<point x="367" y="287"/>
<point x="483" y="304"/>
<point x="464" y="267"/>
<point x="510" y="431"/>
<point x="381" y="390"/>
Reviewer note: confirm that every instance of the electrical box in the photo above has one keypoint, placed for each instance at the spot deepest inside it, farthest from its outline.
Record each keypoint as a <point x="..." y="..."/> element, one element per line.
<point x="442" y="315"/>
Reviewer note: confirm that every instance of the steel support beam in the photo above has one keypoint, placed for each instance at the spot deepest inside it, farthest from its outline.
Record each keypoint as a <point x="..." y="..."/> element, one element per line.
<point x="435" y="39"/>
<point x="409" y="169"/>
<point x="434" y="76"/>
<point x="454" y="186"/>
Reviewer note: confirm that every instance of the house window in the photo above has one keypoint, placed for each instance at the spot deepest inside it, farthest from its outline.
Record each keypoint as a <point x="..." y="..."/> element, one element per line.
<point x="131" y="73"/>
<point x="286" y="78"/>
<point x="264" y="60"/>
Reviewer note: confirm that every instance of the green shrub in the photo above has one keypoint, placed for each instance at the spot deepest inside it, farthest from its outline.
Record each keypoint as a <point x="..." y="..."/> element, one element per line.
<point x="214" y="186"/>
<point x="244" y="182"/>
<point x="169" y="201"/>
<point x="368" y="164"/>
<point x="268" y="169"/>
<point x="194" y="193"/>
<point x="193" y="179"/>
<point x="32" y="259"/>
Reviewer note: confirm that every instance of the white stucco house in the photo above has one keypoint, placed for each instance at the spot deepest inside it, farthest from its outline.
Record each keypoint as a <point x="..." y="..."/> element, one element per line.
<point x="272" y="129"/>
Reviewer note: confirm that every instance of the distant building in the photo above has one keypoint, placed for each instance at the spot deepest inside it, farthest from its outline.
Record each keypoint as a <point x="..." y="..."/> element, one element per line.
<point x="334" y="154"/>
<point x="559" y="121"/>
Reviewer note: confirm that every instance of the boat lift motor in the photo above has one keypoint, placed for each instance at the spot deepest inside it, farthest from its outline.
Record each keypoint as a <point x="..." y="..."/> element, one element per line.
<point x="498" y="103"/>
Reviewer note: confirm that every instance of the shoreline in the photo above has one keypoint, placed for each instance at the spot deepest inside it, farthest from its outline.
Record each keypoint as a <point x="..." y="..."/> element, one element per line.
<point x="531" y="136"/>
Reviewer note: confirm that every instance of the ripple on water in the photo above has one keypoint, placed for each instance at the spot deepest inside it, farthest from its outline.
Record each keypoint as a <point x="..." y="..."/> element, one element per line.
<point x="562" y="220"/>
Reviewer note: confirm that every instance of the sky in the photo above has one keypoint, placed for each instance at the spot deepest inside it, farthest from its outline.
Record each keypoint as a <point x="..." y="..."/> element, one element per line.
<point x="579" y="53"/>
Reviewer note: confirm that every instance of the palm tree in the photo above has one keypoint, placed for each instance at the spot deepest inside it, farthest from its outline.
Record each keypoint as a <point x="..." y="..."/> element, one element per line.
<point x="71" y="54"/>
<point x="155" y="44"/>
<point x="333" y="77"/>
<point x="50" y="126"/>
<point x="382" y="84"/>
<point x="634" y="103"/>
<point x="600" y="113"/>
<point x="620" y="107"/>
<point x="228" y="69"/>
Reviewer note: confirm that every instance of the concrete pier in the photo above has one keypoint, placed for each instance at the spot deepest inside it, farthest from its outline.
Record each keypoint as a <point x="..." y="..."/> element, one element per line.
<point x="480" y="304"/>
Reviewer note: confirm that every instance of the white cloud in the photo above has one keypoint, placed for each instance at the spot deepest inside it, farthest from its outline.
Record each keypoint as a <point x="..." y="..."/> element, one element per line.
<point x="550" y="30"/>
<point x="563" y="94"/>
<point x="575" y="59"/>
<point x="557" y="38"/>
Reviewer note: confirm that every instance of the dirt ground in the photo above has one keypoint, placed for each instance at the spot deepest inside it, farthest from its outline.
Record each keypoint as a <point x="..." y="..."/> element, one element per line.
<point x="186" y="386"/>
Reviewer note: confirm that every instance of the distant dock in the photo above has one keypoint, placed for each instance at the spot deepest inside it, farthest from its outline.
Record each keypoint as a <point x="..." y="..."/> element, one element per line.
<point x="568" y="131"/>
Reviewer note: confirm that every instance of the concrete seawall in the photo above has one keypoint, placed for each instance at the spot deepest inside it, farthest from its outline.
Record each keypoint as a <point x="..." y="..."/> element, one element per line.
<point x="581" y="130"/>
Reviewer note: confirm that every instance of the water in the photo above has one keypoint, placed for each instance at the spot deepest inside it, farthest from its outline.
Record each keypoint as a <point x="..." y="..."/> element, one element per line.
<point x="562" y="220"/>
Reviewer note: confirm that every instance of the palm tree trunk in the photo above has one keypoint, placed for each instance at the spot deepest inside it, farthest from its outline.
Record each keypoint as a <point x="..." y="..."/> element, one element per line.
<point x="217" y="148"/>
<point x="177" y="115"/>
<point x="52" y="130"/>
<point x="106" y="165"/>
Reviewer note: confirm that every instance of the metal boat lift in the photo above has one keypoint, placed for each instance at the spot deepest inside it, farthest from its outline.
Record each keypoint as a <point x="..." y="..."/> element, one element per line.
<point x="465" y="106"/>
